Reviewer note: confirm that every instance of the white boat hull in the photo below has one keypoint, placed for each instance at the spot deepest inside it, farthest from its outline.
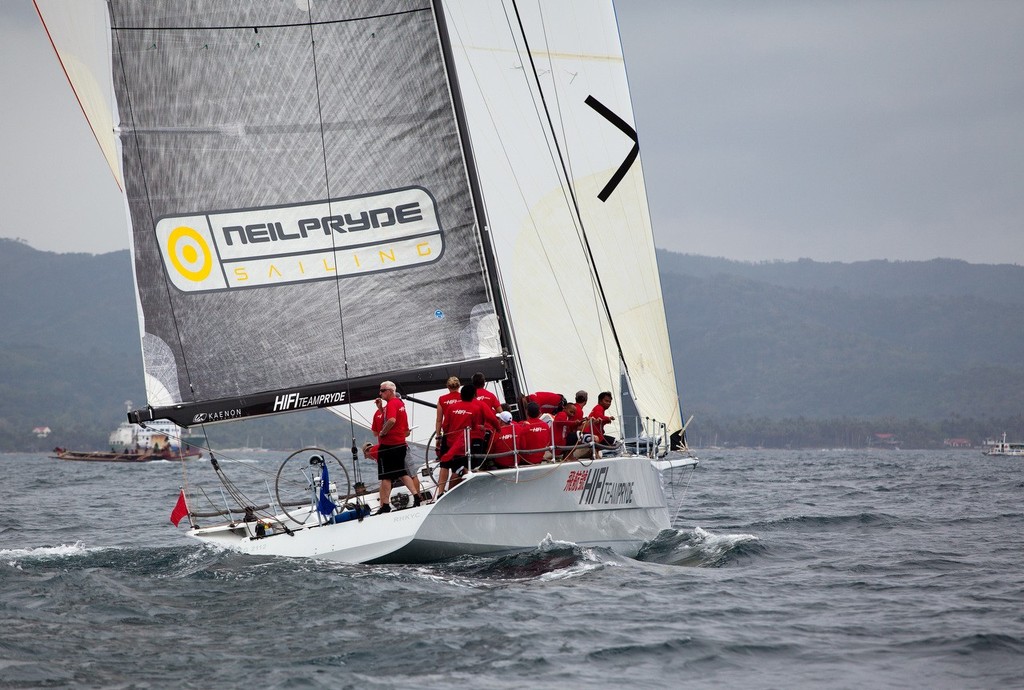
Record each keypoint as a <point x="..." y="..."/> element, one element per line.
<point x="616" y="503"/>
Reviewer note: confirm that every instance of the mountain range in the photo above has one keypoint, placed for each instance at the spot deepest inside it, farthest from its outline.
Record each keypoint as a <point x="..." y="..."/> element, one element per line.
<point x="935" y="341"/>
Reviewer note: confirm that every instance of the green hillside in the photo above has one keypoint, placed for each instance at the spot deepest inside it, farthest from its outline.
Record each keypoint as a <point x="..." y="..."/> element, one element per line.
<point x="765" y="353"/>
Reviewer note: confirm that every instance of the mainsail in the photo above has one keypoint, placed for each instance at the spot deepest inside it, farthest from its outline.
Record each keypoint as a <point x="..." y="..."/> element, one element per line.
<point x="302" y="207"/>
<point x="302" y="223"/>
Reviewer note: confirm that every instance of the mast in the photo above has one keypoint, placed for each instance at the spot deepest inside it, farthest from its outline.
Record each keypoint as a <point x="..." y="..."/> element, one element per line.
<point x="512" y="387"/>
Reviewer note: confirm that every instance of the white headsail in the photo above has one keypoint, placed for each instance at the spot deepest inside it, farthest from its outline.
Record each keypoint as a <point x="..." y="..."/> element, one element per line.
<point x="546" y="97"/>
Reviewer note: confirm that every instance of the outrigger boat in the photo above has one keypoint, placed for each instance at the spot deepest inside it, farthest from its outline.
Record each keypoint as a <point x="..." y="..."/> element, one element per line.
<point x="158" y="440"/>
<point x="326" y="195"/>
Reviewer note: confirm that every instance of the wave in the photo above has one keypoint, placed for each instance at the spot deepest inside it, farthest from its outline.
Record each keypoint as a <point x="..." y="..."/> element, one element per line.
<point x="42" y="553"/>
<point x="550" y="560"/>
<point x="814" y="521"/>
<point x="699" y="548"/>
<point x="968" y="644"/>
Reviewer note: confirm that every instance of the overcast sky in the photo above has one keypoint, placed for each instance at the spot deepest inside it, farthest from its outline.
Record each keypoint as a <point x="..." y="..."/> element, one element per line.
<point x="837" y="131"/>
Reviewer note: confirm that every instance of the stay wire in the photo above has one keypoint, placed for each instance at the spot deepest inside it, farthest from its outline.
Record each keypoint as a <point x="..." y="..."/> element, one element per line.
<point x="572" y="193"/>
<point x="149" y="200"/>
<point x="562" y="186"/>
<point x="337" y="279"/>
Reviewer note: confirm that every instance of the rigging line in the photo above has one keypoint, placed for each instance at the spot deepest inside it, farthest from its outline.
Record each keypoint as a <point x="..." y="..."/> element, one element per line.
<point x="513" y="378"/>
<point x="526" y="205"/>
<point x="520" y="369"/>
<point x="554" y="90"/>
<point x="309" y="23"/>
<point x="149" y="204"/>
<point x="590" y="253"/>
<point x="570" y="201"/>
<point x="334" y="246"/>
<point x="570" y="179"/>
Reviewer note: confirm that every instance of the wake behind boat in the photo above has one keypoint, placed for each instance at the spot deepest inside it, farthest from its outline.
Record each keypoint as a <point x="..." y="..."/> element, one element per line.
<point x="323" y="196"/>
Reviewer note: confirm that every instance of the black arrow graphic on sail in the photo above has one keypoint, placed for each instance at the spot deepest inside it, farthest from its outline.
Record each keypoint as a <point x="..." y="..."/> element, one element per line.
<point x="627" y="162"/>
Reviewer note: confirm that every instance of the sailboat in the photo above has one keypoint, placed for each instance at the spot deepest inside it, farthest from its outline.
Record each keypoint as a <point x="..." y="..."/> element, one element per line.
<point x="324" y="195"/>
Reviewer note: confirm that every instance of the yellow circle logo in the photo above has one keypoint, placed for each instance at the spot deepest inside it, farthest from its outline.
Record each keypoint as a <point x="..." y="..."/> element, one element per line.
<point x="189" y="254"/>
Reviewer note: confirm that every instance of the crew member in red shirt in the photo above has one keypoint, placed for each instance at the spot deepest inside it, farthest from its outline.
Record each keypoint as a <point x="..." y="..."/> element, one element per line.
<point x="391" y="425"/>
<point x="572" y="437"/>
<point x="599" y="419"/>
<point x="566" y="422"/>
<point x="452" y="396"/>
<point x="505" y="440"/>
<point x="534" y="436"/>
<point x="466" y="414"/>
<point x="485" y="396"/>
<point x="548" y="402"/>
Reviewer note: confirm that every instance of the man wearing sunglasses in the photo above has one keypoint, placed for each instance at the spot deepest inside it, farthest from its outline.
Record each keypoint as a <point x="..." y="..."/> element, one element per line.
<point x="391" y="425"/>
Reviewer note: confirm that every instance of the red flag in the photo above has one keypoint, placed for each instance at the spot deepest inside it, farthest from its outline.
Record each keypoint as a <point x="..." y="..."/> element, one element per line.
<point x="180" y="509"/>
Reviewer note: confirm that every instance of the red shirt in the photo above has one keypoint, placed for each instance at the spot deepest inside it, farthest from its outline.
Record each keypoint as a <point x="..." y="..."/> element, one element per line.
<point x="488" y="398"/>
<point x="444" y="402"/>
<point x="535" y="436"/>
<point x="548" y="402"/>
<point x="395" y="409"/>
<point x="598" y="413"/>
<point x="563" y="425"/>
<point x="464" y="415"/>
<point x="506" y="440"/>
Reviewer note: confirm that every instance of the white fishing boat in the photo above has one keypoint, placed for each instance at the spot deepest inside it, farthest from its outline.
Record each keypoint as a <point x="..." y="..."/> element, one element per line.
<point x="326" y="195"/>
<point x="1003" y="448"/>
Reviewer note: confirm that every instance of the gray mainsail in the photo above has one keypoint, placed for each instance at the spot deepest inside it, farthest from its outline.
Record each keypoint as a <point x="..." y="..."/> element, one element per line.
<point x="302" y="221"/>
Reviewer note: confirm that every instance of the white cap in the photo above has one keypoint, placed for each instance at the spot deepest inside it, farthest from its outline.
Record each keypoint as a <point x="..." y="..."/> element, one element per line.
<point x="505" y="416"/>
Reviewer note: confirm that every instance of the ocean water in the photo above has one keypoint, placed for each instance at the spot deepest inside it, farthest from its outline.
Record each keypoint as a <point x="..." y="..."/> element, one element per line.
<point x="785" y="569"/>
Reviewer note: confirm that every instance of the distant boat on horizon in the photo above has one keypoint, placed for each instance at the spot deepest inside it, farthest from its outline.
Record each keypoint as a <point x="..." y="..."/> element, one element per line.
<point x="158" y="440"/>
<point x="1004" y="449"/>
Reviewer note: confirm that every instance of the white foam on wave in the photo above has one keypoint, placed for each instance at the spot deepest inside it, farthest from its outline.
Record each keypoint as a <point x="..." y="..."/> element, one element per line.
<point x="46" y="552"/>
<point x="705" y="538"/>
<point x="713" y="546"/>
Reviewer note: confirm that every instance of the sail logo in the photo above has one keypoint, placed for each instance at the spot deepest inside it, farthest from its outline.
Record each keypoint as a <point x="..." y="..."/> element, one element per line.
<point x="596" y="489"/>
<point x="296" y="401"/>
<point x="218" y="416"/>
<point x="321" y="240"/>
